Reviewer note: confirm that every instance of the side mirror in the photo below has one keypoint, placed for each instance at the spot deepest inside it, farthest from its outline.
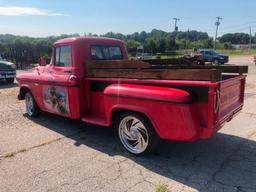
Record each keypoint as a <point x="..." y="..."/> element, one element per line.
<point x="42" y="61"/>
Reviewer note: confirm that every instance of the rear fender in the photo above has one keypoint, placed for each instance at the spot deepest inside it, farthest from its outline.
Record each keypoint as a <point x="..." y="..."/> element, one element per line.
<point x="129" y="108"/>
<point x="116" y="94"/>
<point x="153" y="93"/>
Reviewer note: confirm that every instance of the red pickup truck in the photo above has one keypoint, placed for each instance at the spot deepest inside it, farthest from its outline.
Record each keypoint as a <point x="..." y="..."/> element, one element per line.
<point x="91" y="79"/>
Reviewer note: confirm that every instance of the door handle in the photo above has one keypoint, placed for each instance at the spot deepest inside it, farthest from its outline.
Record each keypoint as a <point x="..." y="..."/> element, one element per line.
<point x="68" y="71"/>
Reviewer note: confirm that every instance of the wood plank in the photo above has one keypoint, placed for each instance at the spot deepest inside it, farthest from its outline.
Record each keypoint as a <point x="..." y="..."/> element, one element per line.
<point x="121" y="64"/>
<point x="233" y="68"/>
<point x="173" y="74"/>
<point x="136" y="64"/>
<point x="224" y="68"/>
<point x="174" y="61"/>
<point x="185" y="63"/>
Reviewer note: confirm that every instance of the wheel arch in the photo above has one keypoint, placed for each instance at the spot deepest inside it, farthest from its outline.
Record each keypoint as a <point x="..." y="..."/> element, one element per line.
<point x="119" y="111"/>
<point x="23" y="91"/>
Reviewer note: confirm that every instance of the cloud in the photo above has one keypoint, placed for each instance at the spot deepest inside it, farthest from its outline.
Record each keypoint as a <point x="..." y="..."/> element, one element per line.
<point x="26" y="11"/>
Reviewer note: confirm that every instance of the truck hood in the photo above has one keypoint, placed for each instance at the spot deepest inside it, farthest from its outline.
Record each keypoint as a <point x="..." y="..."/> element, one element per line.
<point x="28" y="76"/>
<point x="5" y="65"/>
<point x="221" y="55"/>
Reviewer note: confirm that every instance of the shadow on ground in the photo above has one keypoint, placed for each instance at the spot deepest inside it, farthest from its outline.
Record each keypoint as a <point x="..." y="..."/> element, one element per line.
<point x="4" y="85"/>
<point x="223" y="163"/>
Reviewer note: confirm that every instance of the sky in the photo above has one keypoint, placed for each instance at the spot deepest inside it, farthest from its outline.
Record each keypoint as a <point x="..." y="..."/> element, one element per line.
<point x="40" y="18"/>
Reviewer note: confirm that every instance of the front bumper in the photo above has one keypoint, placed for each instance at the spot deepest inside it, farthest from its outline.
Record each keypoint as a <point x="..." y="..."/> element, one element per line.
<point x="224" y="60"/>
<point x="7" y="74"/>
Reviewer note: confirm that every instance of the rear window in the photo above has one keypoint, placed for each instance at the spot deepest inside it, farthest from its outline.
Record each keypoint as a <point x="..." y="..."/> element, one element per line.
<point x="105" y="52"/>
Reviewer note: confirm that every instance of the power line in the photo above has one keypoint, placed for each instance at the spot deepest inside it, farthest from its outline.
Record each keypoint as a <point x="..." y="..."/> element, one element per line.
<point x="217" y="23"/>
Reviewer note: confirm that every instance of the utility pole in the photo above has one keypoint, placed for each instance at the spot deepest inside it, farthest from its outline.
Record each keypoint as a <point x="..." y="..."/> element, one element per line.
<point x="175" y="23"/>
<point x="187" y="40"/>
<point x="217" y="23"/>
<point x="250" y="43"/>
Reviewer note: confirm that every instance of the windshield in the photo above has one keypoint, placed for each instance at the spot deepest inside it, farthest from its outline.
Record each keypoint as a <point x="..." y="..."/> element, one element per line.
<point x="213" y="52"/>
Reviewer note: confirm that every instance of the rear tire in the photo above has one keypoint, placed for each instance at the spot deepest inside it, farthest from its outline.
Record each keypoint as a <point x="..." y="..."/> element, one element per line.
<point x="136" y="133"/>
<point x="10" y="80"/>
<point x="31" y="106"/>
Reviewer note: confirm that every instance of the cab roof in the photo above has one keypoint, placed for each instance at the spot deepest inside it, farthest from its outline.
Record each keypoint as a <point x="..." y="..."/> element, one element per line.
<point x="88" y="39"/>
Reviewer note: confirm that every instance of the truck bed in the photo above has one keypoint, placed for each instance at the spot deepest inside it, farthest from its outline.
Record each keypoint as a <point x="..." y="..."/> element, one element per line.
<point x="167" y="69"/>
<point x="216" y="93"/>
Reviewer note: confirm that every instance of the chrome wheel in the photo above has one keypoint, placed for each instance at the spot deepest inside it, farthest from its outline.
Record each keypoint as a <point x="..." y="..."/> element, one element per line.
<point x="133" y="134"/>
<point x="29" y="104"/>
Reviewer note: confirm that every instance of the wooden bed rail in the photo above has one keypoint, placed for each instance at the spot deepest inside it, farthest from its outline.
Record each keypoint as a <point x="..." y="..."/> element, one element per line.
<point x="137" y="69"/>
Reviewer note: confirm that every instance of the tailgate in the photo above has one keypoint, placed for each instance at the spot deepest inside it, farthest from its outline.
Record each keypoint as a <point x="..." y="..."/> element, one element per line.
<point x="231" y="97"/>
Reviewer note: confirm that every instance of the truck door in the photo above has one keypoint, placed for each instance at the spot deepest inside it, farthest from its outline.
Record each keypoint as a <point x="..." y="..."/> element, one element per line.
<point x="207" y="56"/>
<point x="55" y="89"/>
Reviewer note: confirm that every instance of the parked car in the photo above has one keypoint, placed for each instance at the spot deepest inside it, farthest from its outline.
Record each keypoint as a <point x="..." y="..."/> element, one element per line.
<point x="213" y="56"/>
<point x="91" y="79"/>
<point x="7" y="71"/>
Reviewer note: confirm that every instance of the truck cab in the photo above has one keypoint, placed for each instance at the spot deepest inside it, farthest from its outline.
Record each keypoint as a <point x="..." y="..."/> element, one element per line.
<point x="91" y="79"/>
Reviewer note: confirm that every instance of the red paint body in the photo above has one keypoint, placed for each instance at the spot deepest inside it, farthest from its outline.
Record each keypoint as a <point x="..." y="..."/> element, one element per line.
<point x="179" y="110"/>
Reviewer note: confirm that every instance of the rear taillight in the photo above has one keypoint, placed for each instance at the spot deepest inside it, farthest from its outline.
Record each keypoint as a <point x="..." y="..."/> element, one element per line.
<point x="216" y="101"/>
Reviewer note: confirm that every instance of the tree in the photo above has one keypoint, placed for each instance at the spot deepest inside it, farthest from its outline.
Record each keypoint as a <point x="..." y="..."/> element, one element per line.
<point x="235" y="38"/>
<point x="161" y="45"/>
<point x="151" y="44"/>
<point x="171" y="43"/>
<point x="132" y="46"/>
<point x="26" y="50"/>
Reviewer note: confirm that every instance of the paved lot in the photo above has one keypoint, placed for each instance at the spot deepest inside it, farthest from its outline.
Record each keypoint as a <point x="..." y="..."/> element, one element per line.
<point x="51" y="153"/>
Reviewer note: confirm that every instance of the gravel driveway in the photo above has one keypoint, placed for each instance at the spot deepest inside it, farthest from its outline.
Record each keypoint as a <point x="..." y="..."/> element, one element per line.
<point x="51" y="153"/>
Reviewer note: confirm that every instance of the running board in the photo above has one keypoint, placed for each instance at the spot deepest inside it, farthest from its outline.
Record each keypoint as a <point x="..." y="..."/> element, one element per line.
<point x="95" y="120"/>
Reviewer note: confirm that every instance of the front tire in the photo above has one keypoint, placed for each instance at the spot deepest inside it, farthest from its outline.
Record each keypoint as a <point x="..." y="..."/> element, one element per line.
<point x="216" y="62"/>
<point x="31" y="106"/>
<point x="137" y="134"/>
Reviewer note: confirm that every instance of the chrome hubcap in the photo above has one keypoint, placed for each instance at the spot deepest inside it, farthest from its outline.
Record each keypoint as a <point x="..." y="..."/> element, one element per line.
<point x="133" y="134"/>
<point x="29" y="104"/>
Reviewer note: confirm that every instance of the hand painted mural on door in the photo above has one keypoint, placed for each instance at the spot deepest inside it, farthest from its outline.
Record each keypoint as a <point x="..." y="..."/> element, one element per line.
<point x="56" y="100"/>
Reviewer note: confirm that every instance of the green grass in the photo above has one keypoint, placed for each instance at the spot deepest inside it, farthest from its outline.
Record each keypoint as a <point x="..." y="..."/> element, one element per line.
<point x="167" y="56"/>
<point x="238" y="52"/>
<point x="162" y="188"/>
<point x="22" y="150"/>
<point x="9" y="155"/>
